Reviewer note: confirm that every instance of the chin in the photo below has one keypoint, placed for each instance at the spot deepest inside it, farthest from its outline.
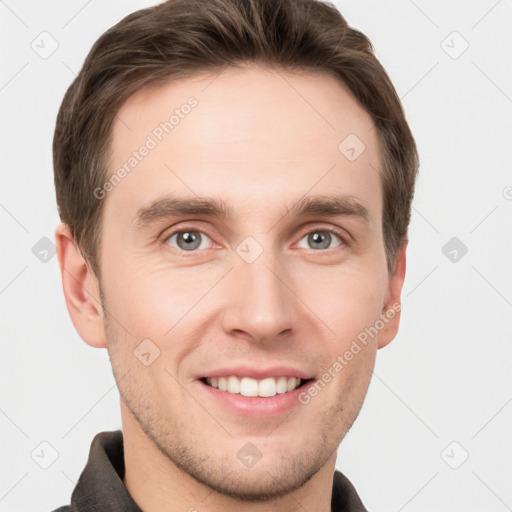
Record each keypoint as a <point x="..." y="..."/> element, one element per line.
<point x="257" y="485"/>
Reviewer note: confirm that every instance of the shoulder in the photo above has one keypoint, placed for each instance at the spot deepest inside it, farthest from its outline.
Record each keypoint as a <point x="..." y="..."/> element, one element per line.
<point x="344" y="495"/>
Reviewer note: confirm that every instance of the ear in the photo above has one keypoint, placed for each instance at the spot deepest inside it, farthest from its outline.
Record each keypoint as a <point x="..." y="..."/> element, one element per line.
<point x="392" y="305"/>
<point x="81" y="290"/>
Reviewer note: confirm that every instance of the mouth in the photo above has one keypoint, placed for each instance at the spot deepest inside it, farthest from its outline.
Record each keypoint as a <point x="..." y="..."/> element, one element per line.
<point x="255" y="390"/>
<point x="250" y="387"/>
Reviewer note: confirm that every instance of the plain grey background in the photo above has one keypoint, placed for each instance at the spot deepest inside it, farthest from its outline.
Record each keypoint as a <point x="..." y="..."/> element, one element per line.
<point x="434" y="432"/>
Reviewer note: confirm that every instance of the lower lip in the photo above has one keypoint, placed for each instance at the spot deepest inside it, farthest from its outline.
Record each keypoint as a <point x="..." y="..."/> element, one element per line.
<point x="256" y="405"/>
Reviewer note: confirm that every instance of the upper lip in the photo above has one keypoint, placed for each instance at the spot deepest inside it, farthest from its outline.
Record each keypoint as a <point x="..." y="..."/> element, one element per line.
<point x="257" y="372"/>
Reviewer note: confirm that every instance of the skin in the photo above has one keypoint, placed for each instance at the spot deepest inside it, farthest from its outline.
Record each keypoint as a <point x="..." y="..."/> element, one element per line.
<point x="259" y="140"/>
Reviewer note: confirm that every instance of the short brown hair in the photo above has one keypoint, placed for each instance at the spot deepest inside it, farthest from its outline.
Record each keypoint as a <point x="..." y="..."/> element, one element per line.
<point x="179" y="38"/>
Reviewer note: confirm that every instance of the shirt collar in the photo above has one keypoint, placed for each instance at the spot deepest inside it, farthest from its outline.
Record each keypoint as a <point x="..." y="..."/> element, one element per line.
<point x="100" y="486"/>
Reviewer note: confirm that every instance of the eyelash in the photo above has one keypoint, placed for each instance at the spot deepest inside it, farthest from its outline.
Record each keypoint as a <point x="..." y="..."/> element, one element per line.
<point x="338" y="232"/>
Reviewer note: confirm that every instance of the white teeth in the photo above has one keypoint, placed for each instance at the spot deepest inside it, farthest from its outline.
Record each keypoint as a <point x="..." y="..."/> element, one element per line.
<point x="267" y="387"/>
<point x="251" y="387"/>
<point x="233" y="385"/>
<point x="292" y="384"/>
<point x="282" y="385"/>
<point x="248" y="387"/>
<point x="223" y="384"/>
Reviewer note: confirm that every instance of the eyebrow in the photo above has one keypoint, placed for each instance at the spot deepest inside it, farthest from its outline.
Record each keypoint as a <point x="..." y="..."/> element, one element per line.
<point x="324" y="205"/>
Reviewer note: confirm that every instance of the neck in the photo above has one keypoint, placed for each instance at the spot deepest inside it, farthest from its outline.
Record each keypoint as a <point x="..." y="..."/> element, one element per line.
<point x="155" y="483"/>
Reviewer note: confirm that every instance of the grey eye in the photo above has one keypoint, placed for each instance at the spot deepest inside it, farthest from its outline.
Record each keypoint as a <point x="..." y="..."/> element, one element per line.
<point x="188" y="240"/>
<point x="319" y="240"/>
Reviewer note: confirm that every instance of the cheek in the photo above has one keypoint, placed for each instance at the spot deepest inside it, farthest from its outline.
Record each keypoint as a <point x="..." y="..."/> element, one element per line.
<point x="157" y="302"/>
<point x="150" y="305"/>
<point x="346" y="300"/>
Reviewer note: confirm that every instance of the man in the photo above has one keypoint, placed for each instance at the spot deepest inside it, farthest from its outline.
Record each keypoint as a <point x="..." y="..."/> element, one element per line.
<point x="234" y="180"/>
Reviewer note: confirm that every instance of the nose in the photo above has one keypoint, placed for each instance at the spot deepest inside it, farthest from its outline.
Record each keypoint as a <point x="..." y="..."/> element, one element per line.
<point x="261" y="305"/>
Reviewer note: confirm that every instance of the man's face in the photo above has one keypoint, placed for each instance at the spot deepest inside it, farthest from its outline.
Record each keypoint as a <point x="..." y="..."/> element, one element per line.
<point x="260" y="292"/>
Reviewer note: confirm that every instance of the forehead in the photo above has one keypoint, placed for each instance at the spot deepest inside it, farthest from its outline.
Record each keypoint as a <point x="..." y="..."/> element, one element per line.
<point x="254" y="137"/>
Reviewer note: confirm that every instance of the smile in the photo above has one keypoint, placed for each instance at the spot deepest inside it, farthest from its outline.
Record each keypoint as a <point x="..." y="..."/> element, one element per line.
<point x="247" y="386"/>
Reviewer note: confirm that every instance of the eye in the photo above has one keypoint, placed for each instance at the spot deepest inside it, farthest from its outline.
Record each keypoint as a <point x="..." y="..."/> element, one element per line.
<point x="320" y="239"/>
<point x="188" y="240"/>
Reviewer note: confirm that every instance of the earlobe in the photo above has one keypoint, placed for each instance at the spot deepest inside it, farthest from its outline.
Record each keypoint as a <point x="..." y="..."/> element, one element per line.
<point x="392" y="307"/>
<point x="81" y="290"/>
